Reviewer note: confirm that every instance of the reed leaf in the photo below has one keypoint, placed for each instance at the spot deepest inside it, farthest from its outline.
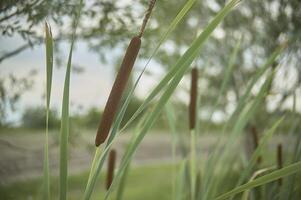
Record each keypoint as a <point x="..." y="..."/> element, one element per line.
<point x="286" y="171"/>
<point x="266" y="137"/>
<point x="269" y="62"/>
<point x="121" y="186"/>
<point x="119" y="117"/>
<point x="186" y="59"/>
<point x="246" y="114"/>
<point x="49" y="69"/>
<point x="254" y="176"/>
<point x="64" y="131"/>
<point x="171" y="73"/>
<point x="170" y="115"/>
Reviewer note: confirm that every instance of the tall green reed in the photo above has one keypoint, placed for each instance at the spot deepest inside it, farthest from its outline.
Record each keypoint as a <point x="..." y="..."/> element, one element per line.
<point x="64" y="131"/>
<point x="49" y="69"/>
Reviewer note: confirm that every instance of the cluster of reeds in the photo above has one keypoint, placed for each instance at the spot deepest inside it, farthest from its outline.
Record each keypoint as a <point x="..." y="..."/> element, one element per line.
<point x="202" y="185"/>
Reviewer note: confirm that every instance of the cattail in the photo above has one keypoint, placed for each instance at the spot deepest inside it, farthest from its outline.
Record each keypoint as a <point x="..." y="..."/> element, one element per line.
<point x="111" y="167"/>
<point x="117" y="91"/>
<point x="193" y="98"/>
<point x="121" y="82"/>
<point x="255" y="141"/>
<point x="279" y="161"/>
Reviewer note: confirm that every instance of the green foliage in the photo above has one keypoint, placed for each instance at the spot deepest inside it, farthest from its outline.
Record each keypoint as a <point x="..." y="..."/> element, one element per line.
<point x="35" y="118"/>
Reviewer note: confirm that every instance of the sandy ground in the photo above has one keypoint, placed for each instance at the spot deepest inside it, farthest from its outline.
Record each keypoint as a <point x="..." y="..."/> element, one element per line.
<point x="21" y="155"/>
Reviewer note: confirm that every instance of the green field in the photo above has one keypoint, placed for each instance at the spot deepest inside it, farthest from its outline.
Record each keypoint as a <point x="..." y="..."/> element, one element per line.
<point x="142" y="182"/>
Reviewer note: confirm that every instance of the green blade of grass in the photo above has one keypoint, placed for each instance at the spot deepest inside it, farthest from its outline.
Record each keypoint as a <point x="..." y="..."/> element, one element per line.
<point x="226" y="79"/>
<point x="119" y="117"/>
<point x="49" y="68"/>
<point x="186" y="59"/>
<point x="121" y="186"/>
<point x="270" y="61"/>
<point x="171" y="73"/>
<point x="247" y="113"/>
<point x="246" y="193"/>
<point x="64" y="131"/>
<point x="252" y="109"/>
<point x="286" y="171"/>
<point x="267" y="135"/>
<point x="228" y="71"/>
<point x="181" y="187"/>
<point x="170" y="115"/>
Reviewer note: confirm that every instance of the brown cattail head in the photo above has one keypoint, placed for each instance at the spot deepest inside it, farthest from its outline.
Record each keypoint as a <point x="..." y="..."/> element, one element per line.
<point x="111" y="168"/>
<point x="193" y="97"/>
<point x="279" y="160"/>
<point x="146" y="17"/>
<point x="117" y="90"/>
<point x="255" y="141"/>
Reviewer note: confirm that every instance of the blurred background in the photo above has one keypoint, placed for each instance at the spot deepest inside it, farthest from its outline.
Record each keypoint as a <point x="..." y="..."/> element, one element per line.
<point x="105" y="29"/>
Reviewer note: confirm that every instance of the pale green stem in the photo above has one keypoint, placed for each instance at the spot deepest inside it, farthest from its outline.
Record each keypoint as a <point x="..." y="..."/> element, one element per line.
<point x="192" y="163"/>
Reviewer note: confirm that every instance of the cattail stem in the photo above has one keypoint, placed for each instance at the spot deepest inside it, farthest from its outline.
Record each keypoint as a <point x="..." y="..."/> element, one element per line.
<point x="255" y="141"/>
<point x="146" y="17"/>
<point x="117" y="90"/>
<point x="192" y="164"/>
<point x="193" y="98"/>
<point x="111" y="168"/>
<point x="279" y="161"/>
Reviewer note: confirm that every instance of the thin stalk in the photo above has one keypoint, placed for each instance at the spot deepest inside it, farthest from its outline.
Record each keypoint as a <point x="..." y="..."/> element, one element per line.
<point x="121" y="186"/>
<point x="172" y="122"/>
<point x="192" y="163"/>
<point x="279" y="161"/>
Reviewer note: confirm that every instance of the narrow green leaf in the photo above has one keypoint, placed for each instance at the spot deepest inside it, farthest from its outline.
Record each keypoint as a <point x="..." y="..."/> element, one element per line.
<point x="171" y="73"/>
<point x="270" y="61"/>
<point x="255" y="175"/>
<point x="49" y="68"/>
<point x="64" y="131"/>
<point x="119" y="117"/>
<point x="286" y="171"/>
<point x="250" y="110"/>
<point x="174" y="139"/>
<point x="121" y="186"/>
<point x="266" y="137"/>
<point x="244" y="117"/>
<point x="186" y="59"/>
<point x="228" y="73"/>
